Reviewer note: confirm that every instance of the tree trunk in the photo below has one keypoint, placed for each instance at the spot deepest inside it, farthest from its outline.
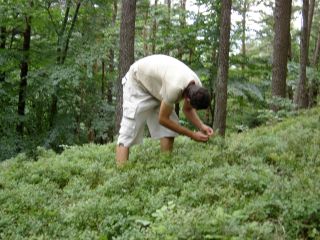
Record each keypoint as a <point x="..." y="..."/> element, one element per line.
<point x="24" y="67"/>
<point x="62" y="50"/>
<point x="167" y="49"/>
<point x="126" y="55"/>
<point x="103" y="79"/>
<point x="316" y="54"/>
<point x="61" y="33"/>
<point x="312" y="95"/>
<point x="154" y="28"/>
<point x="183" y="22"/>
<point x="145" y="31"/>
<point x="182" y="19"/>
<point x="223" y="68"/>
<point x="67" y="40"/>
<point x="3" y="38"/>
<point x="281" y="45"/>
<point x="310" y="18"/>
<point x="111" y="56"/>
<point x="301" y="94"/>
<point x="314" y="88"/>
<point x="243" y="36"/>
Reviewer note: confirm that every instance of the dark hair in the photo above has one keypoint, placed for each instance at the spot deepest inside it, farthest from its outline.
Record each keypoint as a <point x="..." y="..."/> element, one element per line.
<point x="199" y="96"/>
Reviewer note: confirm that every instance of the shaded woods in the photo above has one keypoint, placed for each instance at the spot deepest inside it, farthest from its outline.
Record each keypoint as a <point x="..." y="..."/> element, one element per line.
<point x="61" y="63"/>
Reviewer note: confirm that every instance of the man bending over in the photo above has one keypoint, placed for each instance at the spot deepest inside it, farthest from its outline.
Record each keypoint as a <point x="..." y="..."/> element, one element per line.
<point x="150" y="89"/>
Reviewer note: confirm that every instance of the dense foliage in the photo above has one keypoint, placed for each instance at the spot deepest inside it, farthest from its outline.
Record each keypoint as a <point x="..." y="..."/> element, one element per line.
<point x="261" y="184"/>
<point x="73" y="57"/>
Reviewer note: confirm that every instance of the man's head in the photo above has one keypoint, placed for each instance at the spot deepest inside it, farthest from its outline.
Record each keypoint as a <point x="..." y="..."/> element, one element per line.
<point x="199" y="96"/>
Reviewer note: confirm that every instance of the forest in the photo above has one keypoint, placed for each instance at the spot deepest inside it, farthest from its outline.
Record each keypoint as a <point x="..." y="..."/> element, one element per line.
<point x="61" y="65"/>
<point x="62" y="62"/>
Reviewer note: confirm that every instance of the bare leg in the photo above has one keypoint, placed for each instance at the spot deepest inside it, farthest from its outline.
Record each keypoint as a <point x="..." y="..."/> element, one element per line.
<point x="166" y="144"/>
<point x="122" y="155"/>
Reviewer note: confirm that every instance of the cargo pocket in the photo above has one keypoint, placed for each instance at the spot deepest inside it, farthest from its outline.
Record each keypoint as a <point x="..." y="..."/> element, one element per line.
<point x="127" y="127"/>
<point x="129" y="106"/>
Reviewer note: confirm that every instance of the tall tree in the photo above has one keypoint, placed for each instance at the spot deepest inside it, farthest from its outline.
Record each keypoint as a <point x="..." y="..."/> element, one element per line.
<point x="183" y="23"/>
<point x="310" y="19"/>
<point x="243" y="7"/>
<point x="243" y="35"/>
<point x="281" y="43"/>
<point x="316" y="54"/>
<point x="3" y="38"/>
<point x="168" y="2"/>
<point x="64" y="36"/>
<point x="154" y="28"/>
<point x="126" y="55"/>
<point x="112" y="54"/>
<point x="313" y="88"/>
<point x="24" y="67"/>
<point x="301" y="94"/>
<point x="145" y="28"/>
<point x="220" y="114"/>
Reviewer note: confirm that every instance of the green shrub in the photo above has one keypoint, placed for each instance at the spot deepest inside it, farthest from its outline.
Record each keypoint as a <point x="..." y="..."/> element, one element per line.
<point x="261" y="184"/>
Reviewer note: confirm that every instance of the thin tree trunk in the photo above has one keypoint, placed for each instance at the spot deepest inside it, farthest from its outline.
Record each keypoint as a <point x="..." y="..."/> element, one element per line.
<point x="223" y="68"/>
<point x="243" y="36"/>
<point x="103" y="79"/>
<point x="314" y="88"/>
<point x="281" y="48"/>
<point x="61" y="33"/>
<point x="3" y="38"/>
<point x="62" y="50"/>
<point x="316" y="54"/>
<point x="310" y="19"/>
<point x="73" y="23"/>
<point x="182" y="19"/>
<point x="126" y="55"/>
<point x="154" y="28"/>
<point x="111" y="55"/>
<point x="167" y="49"/>
<point x="24" y="67"/>
<point x="111" y="73"/>
<point x="213" y="72"/>
<point x="145" y="32"/>
<point x="301" y="95"/>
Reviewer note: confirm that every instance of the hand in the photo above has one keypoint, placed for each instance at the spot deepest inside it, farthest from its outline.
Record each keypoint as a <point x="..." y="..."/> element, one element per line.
<point x="200" y="137"/>
<point x="207" y="130"/>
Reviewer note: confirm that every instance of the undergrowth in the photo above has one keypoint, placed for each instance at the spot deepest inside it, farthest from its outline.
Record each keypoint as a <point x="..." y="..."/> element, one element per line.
<point x="261" y="184"/>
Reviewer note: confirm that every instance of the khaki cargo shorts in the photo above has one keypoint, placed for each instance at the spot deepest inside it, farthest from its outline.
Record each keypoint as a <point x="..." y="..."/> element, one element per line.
<point x="139" y="109"/>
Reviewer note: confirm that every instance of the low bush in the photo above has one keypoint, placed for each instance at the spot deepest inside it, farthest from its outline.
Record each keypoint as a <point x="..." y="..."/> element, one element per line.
<point x="260" y="184"/>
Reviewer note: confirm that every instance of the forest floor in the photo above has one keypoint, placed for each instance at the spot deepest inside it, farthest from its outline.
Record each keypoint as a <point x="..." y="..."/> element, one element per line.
<point x="260" y="184"/>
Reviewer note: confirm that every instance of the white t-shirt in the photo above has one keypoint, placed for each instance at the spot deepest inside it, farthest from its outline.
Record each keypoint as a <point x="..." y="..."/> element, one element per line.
<point x="164" y="77"/>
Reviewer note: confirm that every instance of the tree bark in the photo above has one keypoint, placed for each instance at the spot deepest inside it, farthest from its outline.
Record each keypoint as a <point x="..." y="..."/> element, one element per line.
<point x="313" y="88"/>
<point x="182" y="20"/>
<point x="67" y="40"/>
<point x="316" y="54"/>
<point x="126" y="55"/>
<point x="62" y="50"/>
<point x="223" y="68"/>
<point x="24" y="67"/>
<point x="310" y="18"/>
<point x="281" y="49"/>
<point x="301" y="94"/>
<point x="3" y="38"/>
<point x="111" y="55"/>
<point x="154" y="28"/>
<point x="243" y="35"/>
<point x="145" y="31"/>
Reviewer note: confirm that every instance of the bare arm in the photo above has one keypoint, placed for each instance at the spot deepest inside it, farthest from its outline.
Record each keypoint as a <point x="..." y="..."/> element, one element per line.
<point x="164" y="119"/>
